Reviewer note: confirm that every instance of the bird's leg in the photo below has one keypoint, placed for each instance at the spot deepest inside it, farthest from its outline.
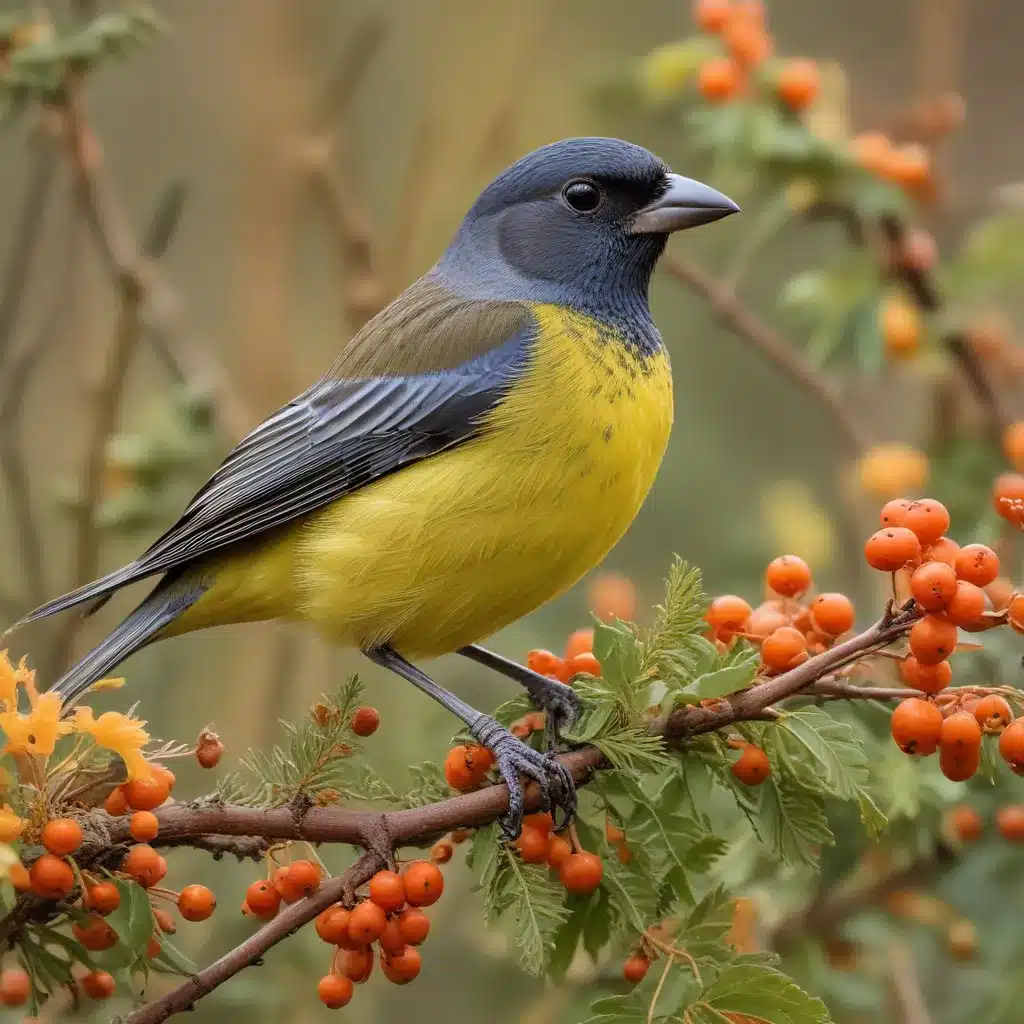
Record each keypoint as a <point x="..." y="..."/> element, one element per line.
<point x="513" y="757"/>
<point x="560" y="702"/>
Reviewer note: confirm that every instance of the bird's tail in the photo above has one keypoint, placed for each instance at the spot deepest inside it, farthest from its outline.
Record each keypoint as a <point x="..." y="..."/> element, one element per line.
<point x="158" y="610"/>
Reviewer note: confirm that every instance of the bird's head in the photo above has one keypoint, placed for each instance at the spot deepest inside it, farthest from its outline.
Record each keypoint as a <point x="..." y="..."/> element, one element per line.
<point x="582" y="222"/>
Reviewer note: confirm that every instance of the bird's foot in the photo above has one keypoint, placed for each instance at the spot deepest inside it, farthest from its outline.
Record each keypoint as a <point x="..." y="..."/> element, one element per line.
<point x="515" y="759"/>
<point x="560" y="703"/>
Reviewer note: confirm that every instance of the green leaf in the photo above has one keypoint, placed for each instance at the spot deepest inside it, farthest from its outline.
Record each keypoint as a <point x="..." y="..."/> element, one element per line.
<point x="737" y="674"/>
<point x="793" y="821"/>
<point x="703" y="932"/>
<point x="563" y="946"/>
<point x="615" y="647"/>
<point x="823" y="752"/>
<point x="133" y="920"/>
<point x="171" y="960"/>
<point x="674" y="641"/>
<point x="764" y="993"/>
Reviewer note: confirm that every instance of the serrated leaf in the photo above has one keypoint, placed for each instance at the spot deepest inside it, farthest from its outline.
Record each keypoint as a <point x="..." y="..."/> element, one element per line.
<point x="765" y="994"/>
<point x="633" y="895"/>
<point x="824" y="752"/>
<point x="792" y="820"/>
<point x="737" y="675"/>
<point x="615" y="647"/>
<point x="702" y="933"/>
<point x="597" y="923"/>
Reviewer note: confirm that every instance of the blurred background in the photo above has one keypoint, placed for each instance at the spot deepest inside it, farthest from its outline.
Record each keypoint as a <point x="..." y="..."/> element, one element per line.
<point x="294" y="164"/>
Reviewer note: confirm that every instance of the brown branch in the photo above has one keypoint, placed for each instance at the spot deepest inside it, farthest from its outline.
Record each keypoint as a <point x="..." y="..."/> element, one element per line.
<point x="734" y="315"/>
<point x="906" y="985"/>
<point x="839" y="689"/>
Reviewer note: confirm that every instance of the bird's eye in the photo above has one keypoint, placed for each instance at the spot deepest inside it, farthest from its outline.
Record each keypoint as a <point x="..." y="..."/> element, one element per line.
<point x="582" y="196"/>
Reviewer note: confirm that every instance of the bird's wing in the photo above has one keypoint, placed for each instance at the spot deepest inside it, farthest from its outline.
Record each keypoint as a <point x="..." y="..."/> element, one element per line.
<point x="347" y="431"/>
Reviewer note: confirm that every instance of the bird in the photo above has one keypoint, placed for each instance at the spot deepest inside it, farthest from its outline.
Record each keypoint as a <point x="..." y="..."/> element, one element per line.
<point x="474" y="450"/>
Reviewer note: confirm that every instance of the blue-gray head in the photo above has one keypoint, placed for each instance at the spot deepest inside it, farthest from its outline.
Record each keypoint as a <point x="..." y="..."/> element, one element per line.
<point x="582" y="221"/>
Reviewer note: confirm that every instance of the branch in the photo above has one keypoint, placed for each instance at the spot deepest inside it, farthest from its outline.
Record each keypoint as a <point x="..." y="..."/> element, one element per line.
<point x="906" y="985"/>
<point x="733" y="314"/>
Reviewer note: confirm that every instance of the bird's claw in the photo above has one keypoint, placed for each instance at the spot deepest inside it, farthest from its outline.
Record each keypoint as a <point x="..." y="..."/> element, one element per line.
<point x="514" y="759"/>
<point x="561" y="705"/>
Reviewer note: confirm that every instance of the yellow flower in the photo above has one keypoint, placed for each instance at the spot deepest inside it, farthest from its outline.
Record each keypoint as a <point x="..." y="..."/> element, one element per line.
<point x="11" y="826"/>
<point x="117" y="732"/>
<point x="36" y="732"/>
<point x="8" y="682"/>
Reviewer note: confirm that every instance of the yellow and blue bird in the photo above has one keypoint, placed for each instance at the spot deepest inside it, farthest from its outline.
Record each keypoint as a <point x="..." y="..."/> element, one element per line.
<point x="474" y="450"/>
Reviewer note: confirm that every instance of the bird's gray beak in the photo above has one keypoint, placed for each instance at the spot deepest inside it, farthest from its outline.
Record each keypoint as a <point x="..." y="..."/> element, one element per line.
<point x="685" y="204"/>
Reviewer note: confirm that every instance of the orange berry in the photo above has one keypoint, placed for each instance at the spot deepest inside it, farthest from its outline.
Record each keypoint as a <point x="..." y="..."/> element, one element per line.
<point x="424" y="883"/>
<point x="391" y="940"/>
<point x="752" y="767"/>
<point x="95" y="934"/>
<point x="161" y="771"/>
<point x="928" y="519"/>
<point x="967" y="605"/>
<point x="765" y="619"/>
<point x="993" y="713"/>
<point x="612" y="832"/>
<point x="116" y="803"/>
<point x="196" y="903"/>
<point x="1011" y="745"/>
<point x="559" y="851"/>
<point x="164" y="921"/>
<point x="305" y="876"/>
<point x="19" y="876"/>
<point x="61" y="836"/>
<point x="719" y="79"/>
<point x="334" y="991"/>
<point x="943" y="550"/>
<point x="783" y="649"/>
<point x="442" y="851"/>
<point x="1008" y="497"/>
<point x="584" y="663"/>
<point x="726" y="614"/>
<point x="103" y="897"/>
<point x="1013" y="444"/>
<point x="798" y="83"/>
<point x="542" y="821"/>
<point x="932" y="639"/>
<point x="1015" y="613"/>
<point x="900" y="326"/>
<point x="144" y="864"/>
<point x="98" y="984"/>
<point x="959" y="765"/>
<point x="544" y="663"/>
<point x="147" y="794"/>
<point x="532" y="845"/>
<point x="712" y="15"/>
<point x="927" y="678"/>
<point x="580" y="642"/>
<point x="15" y="986"/>
<point x="365" y="721"/>
<point x="748" y="42"/>
<point x="832" y="613"/>
<point x="581" y="872"/>
<point x="965" y="823"/>
<point x="387" y="890"/>
<point x="143" y="826"/>
<point x="910" y="165"/>
<point x="916" y="726"/>
<point x="357" y="964"/>
<point x="977" y="564"/>
<point x="332" y="924"/>
<point x="613" y="596"/>
<point x="894" y="512"/>
<point x="933" y="585"/>
<point x="457" y="769"/>
<point x="413" y="925"/>
<point x="871" y="151"/>
<point x="960" y="733"/>
<point x="52" y="877"/>
<point x="892" y="548"/>
<point x="1000" y="592"/>
<point x="289" y="891"/>
<point x="634" y="970"/>
<point x="1010" y="822"/>
<point x="209" y="749"/>
<point x="366" y="923"/>
<point x="153" y="947"/>
<point x="401" y="969"/>
<point x="788" y="576"/>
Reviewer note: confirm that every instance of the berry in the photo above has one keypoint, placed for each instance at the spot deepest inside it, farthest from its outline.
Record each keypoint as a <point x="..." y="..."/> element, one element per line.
<point x="965" y="823"/>
<point x="932" y="639"/>
<point x="357" y="964"/>
<point x="467" y="766"/>
<point x="962" y="940"/>
<point x="832" y="613"/>
<point x="892" y="548"/>
<point x="366" y="923"/>
<point x="163" y="772"/>
<point x="752" y="767"/>
<point x="209" y="749"/>
<point x="927" y="678"/>
<point x="103" y="897"/>
<point x="15" y="986"/>
<point x="559" y="851"/>
<point x="977" y="564"/>
<point x="332" y="925"/>
<point x="1008" y="497"/>
<point x="153" y="947"/>
<point x="993" y="713"/>
<point x="542" y="821"/>
<point x="612" y="832"/>
<point x="584" y="663"/>
<point x="401" y="969"/>
<point x="765" y="619"/>
<point x="581" y="872"/>
<point x="196" y="903"/>
<point x="143" y="826"/>
<point x="424" y="883"/>
<point x="305" y="876"/>
<point x="544" y="663"/>
<point x="943" y="550"/>
<point x="1011" y="745"/>
<point x="959" y="765"/>
<point x="612" y="597"/>
<point x="365" y="721"/>
<point x="928" y="519"/>
<point x="387" y="890"/>
<point x="1010" y="822"/>
<point x="910" y="166"/>
<point x="334" y="991"/>
<point x="442" y="851"/>
<point x="798" y="83"/>
<point x="52" y="877"/>
<point x="900" y="325"/>
<point x="164" y="921"/>
<point x="94" y="935"/>
<point x="580" y="642"/>
<point x="871" y="151"/>
<point x="719" y="79"/>
<point x="147" y="794"/>
<point x="391" y="940"/>
<point x="145" y="865"/>
<point x="784" y="648"/>
<point x="532" y="845"/>
<point x="788" y="576"/>
<point x="283" y="883"/>
<point x="19" y="876"/>
<point x="712" y="15"/>
<point x="961" y="733"/>
<point x="933" y="585"/>
<point x="98" y="984"/>
<point x="413" y="925"/>
<point x="747" y="41"/>
<point x="726" y="614"/>
<point x="916" y="726"/>
<point x="894" y="512"/>
<point x="967" y="606"/>
<point x="116" y="803"/>
<point x="61" y="836"/>
<point x="634" y="970"/>
<point x="1013" y="444"/>
<point x="1015" y="612"/>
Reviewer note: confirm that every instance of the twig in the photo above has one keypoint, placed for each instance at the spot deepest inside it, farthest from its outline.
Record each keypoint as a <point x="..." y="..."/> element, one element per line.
<point x="734" y="315"/>
<point x="906" y="985"/>
<point x="839" y="689"/>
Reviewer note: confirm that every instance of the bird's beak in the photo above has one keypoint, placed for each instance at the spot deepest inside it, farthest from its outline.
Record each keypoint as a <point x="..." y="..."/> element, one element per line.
<point x="685" y="204"/>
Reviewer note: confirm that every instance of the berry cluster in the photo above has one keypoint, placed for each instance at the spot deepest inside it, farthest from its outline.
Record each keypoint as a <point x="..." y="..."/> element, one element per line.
<point x="578" y="870"/>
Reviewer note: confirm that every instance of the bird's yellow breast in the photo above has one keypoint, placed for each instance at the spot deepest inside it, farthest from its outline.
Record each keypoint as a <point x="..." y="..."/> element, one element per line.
<point x="453" y="548"/>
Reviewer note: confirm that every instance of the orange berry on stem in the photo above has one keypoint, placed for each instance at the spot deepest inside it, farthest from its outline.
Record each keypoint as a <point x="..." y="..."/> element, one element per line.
<point x="783" y="649"/>
<point x="1013" y="444"/>
<point x="424" y="883"/>
<point x="15" y="986"/>
<point x="910" y="166"/>
<point x="147" y="794"/>
<point x="977" y="564"/>
<point x="52" y="877"/>
<point x="543" y="662"/>
<point x="965" y="823"/>
<point x="634" y="970"/>
<point x="103" y="897"/>
<point x="98" y="984"/>
<point x="943" y="550"/>
<point x="196" y="903"/>
<point x="712" y="15"/>
<point x="752" y="767"/>
<point x="332" y="924"/>
<point x="401" y="969"/>
<point x="365" y="721"/>
<point x="959" y="765"/>
<point x="334" y="991"/>
<point x="391" y="940"/>
<point x="153" y="947"/>
<point x="832" y="613"/>
<point x="798" y="83"/>
<point x="143" y="826"/>
<point x="581" y="872"/>
<point x="788" y="575"/>
<point x="927" y="678"/>
<point x="532" y="845"/>
<point x="726" y="614"/>
<point x="960" y="733"/>
<point x="442" y="851"/>
<point x="357" y="964"/>
<point x="116" y="803"/>
<point x="894" y="512"/>
<point x="747" y="41"/>
<point x="719" y="79"/>
<point x="559" y="851"/>
<point x="289" y="891"/>
<point x="414" y="925"/>
<point x="928" y="519"/>
<point x="933" y="585"/>
<point x="542" y="821"/>
<point x="916" y="726"/>
<point x="366" y="923"/>
<point x="932" y="639"/>
<point x="94" y="934"/>
<point x="387" y="890"/>
<point x="1010" y="822"/>
<point x="580" y="663"/>
<point x="765" y="619"/>
<point x="967" y="606"/>
<point x="145" y="865"/>
<point x="1011" y="745"/>
<point x="19" y="876"/>
<point x="1015" y="613"/>
<point x="1008" y="497"/>
<point x="61" y="836"/>
<point x="164" y="921"/>
<point x="892" y="548"/>
<point x="305" y="876"/>
<point x="580" y="642"/>
<point x="458" y="771"/>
